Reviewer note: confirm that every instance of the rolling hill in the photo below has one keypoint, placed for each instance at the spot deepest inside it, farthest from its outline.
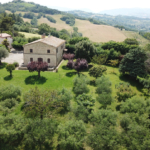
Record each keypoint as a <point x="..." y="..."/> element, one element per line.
<point x="96" y="33"/>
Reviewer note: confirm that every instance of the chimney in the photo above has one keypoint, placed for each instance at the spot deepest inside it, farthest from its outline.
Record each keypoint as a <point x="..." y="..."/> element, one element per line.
<point x="43" y="36"/>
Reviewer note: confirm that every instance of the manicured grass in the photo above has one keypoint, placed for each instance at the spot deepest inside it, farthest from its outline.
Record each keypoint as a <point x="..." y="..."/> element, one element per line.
<point x="64" y="78"/>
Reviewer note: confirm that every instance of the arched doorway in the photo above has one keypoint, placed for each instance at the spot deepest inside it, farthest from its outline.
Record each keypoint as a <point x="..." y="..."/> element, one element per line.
<point x="40" y="59"/>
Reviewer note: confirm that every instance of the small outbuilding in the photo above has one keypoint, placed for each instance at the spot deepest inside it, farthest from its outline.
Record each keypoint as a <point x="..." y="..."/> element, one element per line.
<point x="48" y="50"/>
<point x="4" y="36"/>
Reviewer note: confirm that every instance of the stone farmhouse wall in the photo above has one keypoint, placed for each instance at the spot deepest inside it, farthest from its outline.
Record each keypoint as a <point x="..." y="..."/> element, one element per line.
<point x="40" y="51"/>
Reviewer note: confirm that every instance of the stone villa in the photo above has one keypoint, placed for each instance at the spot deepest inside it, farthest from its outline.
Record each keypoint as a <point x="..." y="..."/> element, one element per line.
<point x="48" y="50"/>
<point x="4" y="36"/>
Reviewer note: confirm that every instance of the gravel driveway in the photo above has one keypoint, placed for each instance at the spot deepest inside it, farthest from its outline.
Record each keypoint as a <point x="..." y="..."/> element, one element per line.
<point x="14" y="57"/>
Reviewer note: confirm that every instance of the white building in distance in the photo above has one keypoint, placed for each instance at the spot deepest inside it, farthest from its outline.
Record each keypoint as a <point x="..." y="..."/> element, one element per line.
<point x="4" y="36"/>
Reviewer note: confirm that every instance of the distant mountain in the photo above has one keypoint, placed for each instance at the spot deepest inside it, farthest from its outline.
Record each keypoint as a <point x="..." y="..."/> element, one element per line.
<point x="137" y="12"/>
<point x="67" y="9"/>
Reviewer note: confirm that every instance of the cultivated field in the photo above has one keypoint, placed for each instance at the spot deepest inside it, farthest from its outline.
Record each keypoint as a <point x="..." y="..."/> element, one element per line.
<point x="99" y="33"/>
<point x="59" y="25"/>
<point x="96" y="33"/>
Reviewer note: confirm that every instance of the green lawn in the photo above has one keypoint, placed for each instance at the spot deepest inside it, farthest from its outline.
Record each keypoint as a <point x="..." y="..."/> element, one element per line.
<point x="64" y="78"/>
<point x="30" y="35"/>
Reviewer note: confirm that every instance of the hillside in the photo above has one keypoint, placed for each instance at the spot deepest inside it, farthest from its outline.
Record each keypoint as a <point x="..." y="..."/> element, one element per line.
<point x="129" y="22"/>
<point x="96" y="33"/>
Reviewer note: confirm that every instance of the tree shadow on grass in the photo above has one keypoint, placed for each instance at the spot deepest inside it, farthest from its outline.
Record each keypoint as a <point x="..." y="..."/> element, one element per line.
<point x="118" y="107"/>
<point x="92" y="83"/>
<point x="35" y="80"/>
<point x="7" y="78"/>
<point x="132" y="81"/>
<point x="70" y="74"/>
<point x="3" y="65"/>
<point x="66" y="68"/>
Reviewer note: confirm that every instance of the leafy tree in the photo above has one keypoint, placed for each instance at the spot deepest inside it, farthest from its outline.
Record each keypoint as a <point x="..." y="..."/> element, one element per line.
<point x="103" y="117"/>
<point x="64" y="98"/>
<point x="80" y="85"/>
<point x="6" y="24"/>
<point x="70" y="64"/>
<point x="6" y="43"/>
<point x="71" y="135"/>
<point x="113" y="63"/>
<point x="34" y="21"/>
<point x="133" y="63"/>
<point x="9" y="92"/>
<point x="97" y="71"/>
<point x="76" y="40"/>
<point x="102" y="138"/>
<point x="134" y="105"/>
<point x="118" y="46"/>
<point x="12" y="131"/>
<point x="85" y="100"/>
<point x="145" y="82"/>
<point x="37" y="66"/>
<point x="68" y="56"/>
<point x="103" y="85"/>
<point x="124" y="91"/>
<point x="99" y="59"/>
<point x="51" y="19"/>
<point x="39" y="134"/>
<point x="8" y="105"/>
<point x="136" y="137"/>
<point x="29" y="15"/>
<point x="10" y="68"/>
<point x="105" y="99"/>
<point x="85" y="49"/>
<point x="147" y="63"/>
<point x="44" y="28"/>
<point x="39" y="103"/>
<point x="3" y="53"/>
<point x="131" y="41"/>
<point x="80" y="64"/>
<point x="18" y="132"/>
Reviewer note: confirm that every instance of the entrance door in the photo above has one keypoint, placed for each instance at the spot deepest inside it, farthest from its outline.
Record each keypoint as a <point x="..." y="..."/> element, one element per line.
<point x="40" y="59"/>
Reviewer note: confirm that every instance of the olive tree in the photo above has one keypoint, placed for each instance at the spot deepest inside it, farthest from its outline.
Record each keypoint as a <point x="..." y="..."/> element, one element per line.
<point x="10" y="68"/>
<point x="3" y="53"/>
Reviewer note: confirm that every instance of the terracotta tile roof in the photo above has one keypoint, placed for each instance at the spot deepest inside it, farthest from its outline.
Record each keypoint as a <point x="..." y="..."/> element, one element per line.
<point x="4" y="35"/>
<point x="52" y="41"/>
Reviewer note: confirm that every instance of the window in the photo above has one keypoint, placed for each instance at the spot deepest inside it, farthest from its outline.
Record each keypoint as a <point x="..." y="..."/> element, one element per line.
<point x="62" y="46"/>
<point x="48" y="51"/>
<point x="48" y="60"/>
<point x="40" y="59"/>
<point x="57" y="50"/>
<point x="31" y="59"/>
<point x="31" y="50"/>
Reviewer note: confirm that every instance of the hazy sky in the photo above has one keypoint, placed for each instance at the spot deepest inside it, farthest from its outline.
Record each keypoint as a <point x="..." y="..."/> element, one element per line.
<point x="93" y="5"/>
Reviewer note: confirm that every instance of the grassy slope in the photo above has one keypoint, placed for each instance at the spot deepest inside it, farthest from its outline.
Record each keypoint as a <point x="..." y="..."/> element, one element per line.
<point x="59" y="25"/>
<point x="96" y="33"/>
<point x="135" y="35"/>
<point x="30" y="35"/>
